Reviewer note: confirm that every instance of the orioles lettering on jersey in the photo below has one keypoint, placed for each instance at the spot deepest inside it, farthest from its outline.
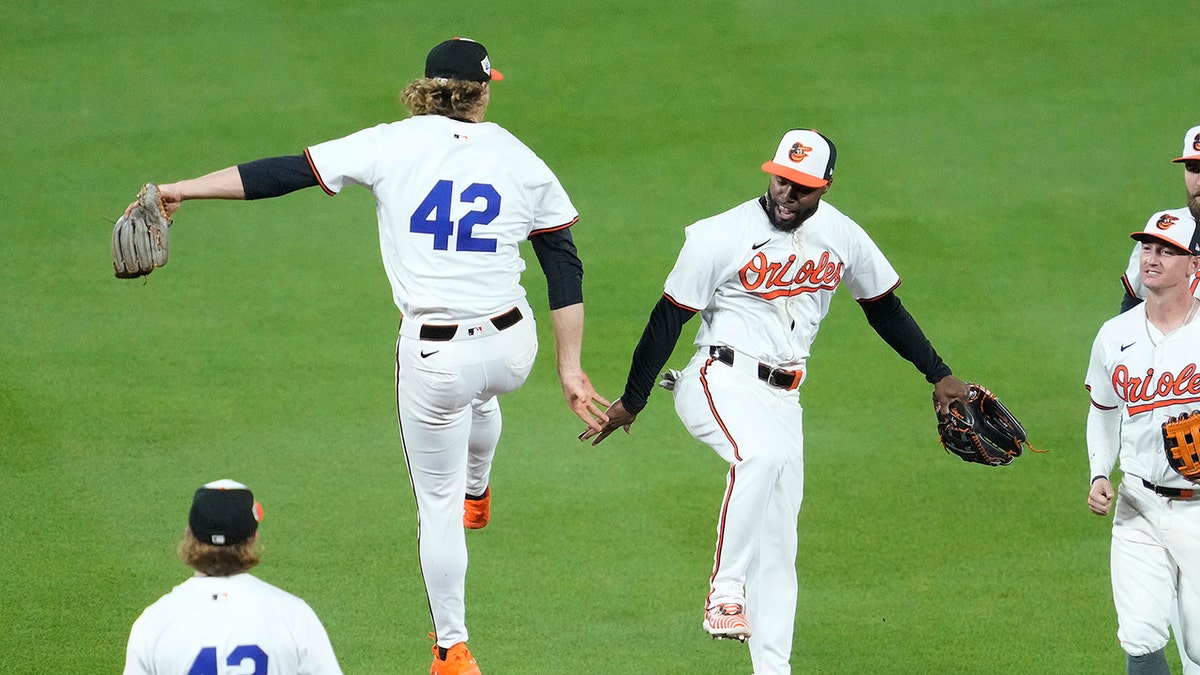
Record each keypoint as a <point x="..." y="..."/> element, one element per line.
<point x="771" y="280"/>
<point x="1150" y="393"/>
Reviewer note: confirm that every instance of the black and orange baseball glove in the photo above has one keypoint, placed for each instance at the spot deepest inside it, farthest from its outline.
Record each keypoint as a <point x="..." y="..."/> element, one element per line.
<point x="983" y="431"/>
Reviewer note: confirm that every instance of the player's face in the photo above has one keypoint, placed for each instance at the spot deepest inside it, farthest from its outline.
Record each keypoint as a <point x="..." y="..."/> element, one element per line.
<point x="1191" y="178"/>
<point x="1163" y="266"/>
<point x="786" y="201"/>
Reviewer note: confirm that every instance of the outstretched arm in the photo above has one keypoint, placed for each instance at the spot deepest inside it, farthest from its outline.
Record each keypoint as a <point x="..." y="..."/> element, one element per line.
<point x="651" y="354"/>
<point x="262" y="178"/>
<point x="577" y="388"/>
<point x="899" y="329"/>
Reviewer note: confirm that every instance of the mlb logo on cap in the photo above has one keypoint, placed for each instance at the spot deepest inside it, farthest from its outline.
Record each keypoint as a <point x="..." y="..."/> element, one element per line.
<point x="1191" y="146"/>
<point x="804" y="157"/>
<point x="1179" y="232"/>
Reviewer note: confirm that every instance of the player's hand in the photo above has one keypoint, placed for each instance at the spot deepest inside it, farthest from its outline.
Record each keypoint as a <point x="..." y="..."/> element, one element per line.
<point x="583" y="399"/>
<point x="1100" y="497"/>
<point x="618" y="418"/>
<point x="948" y="390"/>
<point x="171" y="195"/>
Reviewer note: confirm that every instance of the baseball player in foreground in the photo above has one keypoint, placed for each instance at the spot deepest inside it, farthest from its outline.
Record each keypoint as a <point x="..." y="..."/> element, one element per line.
<point x="1143" y="370"/>
<point x="455" y="197"/>
<point x="224" y="619"/>
<point x="1135" y="291"/>
<point x="762" y="275"/>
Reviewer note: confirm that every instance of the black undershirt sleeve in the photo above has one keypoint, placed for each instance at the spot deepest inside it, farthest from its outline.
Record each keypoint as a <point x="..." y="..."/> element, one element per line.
<point x="560" y="263"/>
<point x="276" y="176"/>
<point x="899" y="329"/>
<point x="1129" y="301"/>
<point x="652" y="351"/>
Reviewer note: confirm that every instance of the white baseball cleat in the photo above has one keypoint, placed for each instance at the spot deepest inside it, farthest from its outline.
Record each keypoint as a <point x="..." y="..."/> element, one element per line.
<point x="727" y="621"/>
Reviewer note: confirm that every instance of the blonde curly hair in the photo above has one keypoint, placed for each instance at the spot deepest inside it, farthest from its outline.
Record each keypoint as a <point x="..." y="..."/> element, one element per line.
<point x="458" y="99"/>
<point x="219" y="561"/>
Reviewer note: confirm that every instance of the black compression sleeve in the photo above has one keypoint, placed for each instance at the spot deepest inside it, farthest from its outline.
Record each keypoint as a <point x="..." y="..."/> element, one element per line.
<point x="560" y="263"/>
<point x="1129" y="301"/>
<point x="652" y="351"/>
<point x="899" y="329"/>
<point x="276" y="176"/>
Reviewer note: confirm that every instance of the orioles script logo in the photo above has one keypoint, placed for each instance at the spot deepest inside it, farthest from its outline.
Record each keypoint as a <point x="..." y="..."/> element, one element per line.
<point x="1169" y="388"/>
<point x="770" y="280"/>
<point x="1166" y="221"/>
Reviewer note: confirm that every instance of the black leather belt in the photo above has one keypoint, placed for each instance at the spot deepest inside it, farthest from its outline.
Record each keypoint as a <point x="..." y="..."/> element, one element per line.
<point x="776" y="377"/>
<point x="442" y="332"/>
<point x="1175" y="493"/>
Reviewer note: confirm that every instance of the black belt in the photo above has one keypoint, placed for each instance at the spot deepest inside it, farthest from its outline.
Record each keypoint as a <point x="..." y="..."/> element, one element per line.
<point x="441" y="332"/>
<point x="776" y="377"/>
<point x="1177" y="493"/>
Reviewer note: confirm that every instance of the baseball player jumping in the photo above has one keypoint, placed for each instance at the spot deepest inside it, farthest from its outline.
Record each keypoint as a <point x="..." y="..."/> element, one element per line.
<point x="1143" y="370"/>
<point x="762" y="275"/>
<point x="1135" y="291"/>
<point x="455" y="196"/>
<point x="224" y="618"/>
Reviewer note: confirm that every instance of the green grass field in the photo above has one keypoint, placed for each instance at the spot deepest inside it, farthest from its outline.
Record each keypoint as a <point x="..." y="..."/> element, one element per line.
<point x="999" y="152"/>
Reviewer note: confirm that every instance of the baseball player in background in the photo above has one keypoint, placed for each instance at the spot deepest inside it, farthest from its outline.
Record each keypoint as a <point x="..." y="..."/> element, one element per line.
<point x="455" y="196"/>
<point x="224" y="619"/>
<point x="1143" y="369"/>
<point x="1135" y="291"/>
<point x="762" y="275"/>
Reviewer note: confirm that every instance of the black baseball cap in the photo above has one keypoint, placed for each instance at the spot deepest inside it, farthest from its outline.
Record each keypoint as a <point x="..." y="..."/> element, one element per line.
<point x="224" y="513"/>
<point x="460" y="59"/>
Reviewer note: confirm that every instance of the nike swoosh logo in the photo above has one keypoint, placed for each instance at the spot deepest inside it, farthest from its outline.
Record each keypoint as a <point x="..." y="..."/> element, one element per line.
<point x="758" y="246"/>
<point x="425" y="356"/>
<point x="1124" y="347"/>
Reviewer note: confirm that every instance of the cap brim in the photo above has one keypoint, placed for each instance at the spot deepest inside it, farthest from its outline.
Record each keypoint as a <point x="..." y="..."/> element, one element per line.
<point x="496" y="75"/>
<point x="1189" y="158"/>
<point x="1142" y="235"/>
<point x="791" y="174"/>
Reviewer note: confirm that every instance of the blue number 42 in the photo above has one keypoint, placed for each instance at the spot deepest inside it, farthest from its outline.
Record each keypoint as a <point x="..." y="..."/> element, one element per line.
<point x="206" y="660"/>
<point x="432" y="216"/>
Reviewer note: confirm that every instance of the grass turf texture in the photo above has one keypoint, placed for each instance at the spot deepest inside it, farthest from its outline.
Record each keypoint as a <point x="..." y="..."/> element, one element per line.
<point x="999" y="152"/>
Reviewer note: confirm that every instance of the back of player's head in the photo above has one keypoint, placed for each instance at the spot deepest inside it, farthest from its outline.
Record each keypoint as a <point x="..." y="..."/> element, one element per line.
<point x="224" y="513"/>
<point x="460" y="59"/>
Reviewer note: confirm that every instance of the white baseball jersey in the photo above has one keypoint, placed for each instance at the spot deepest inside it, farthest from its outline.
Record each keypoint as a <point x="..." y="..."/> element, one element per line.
<point x="454" y="200"/>
<point x="1133" y="272"/>
<point x="1149" y="377"/>
<point x="764" y="292"/>
<point x="238" y="625"/>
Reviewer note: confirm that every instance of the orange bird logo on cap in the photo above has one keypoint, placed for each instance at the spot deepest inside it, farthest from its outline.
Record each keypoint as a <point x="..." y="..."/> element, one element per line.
<point x="799" y="151"/>
<point x="1196" y="142"/>
<point x="1166" y="221"/>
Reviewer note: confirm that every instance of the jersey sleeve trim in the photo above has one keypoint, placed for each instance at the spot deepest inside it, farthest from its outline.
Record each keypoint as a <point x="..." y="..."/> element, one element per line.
<point x="866" y="300"/>
<point x="1125" y="283"/>
<point x="678" y="304"/>
<point x="320" y="181"/>
<point x="548" y="229"/>
<point x="1097" y="406"/>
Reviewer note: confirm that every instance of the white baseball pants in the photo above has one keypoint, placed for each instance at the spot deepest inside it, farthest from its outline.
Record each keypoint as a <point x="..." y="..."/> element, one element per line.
<point x="757" y="429"/>
<point x="450" y="424"/>
<point x="1156" y="571"/>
